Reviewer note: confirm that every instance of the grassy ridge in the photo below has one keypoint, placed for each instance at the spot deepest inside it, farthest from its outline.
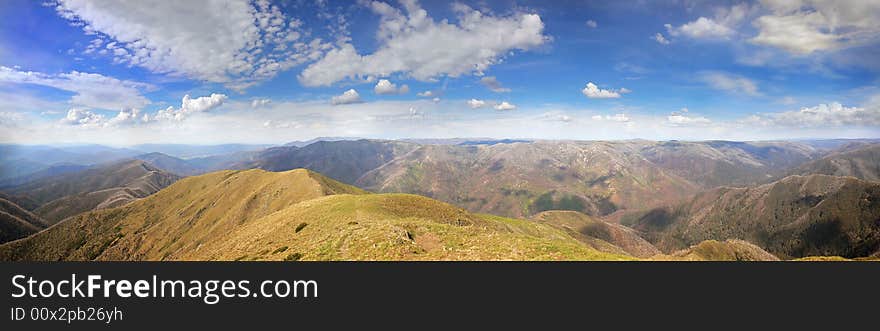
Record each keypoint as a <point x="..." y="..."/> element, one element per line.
<point x="293" y="215"/>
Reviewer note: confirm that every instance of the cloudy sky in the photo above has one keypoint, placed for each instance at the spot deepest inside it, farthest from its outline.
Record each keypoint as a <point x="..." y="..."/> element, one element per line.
<point x="201" y="72"/>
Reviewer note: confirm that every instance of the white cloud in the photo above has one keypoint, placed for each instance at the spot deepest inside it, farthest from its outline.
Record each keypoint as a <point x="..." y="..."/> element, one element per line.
<point x="660" y="39"/>
<point x="385" y="86"/>
<point x="426" y="94"/>
<point x="421" y="118"/>
<point x="475" y="103"/>
<point x="436" y="99"/>
<point x="594" y="92"/>
<point x="274" y="124"/>
<point x="90" y="90"/>
<point x="84" y="117"/>
<point x="822" y="115"/>
<point x="797" y="33"/>
<point x="730" y="83"/>
<point x="190" y="106"/>
<point x="701" y="28"/>
<point x="238" y="42"/>
<point x="347" y="97"/>
<point x="493" y="84"/>
<point x="805" y="26"/>
<point x="721" y="26"/>
<point x="620" y="117"/>
<point x="505" y="106"/>
<point x="415" y="45"/>
<point x="259" y="103"/>
<point x="130" y="116"/>
<point x="200" y="104"/>
<point x="680" y="118"/>
<point x="592" y="24"/>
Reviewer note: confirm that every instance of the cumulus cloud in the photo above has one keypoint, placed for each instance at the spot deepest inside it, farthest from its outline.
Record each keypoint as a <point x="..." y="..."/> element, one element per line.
<point x="476" y="103"/>
<point x="493" y="84"/>
<point x="593" y="91"/>
<point x="592" y="24"/>
<point x="81" y="116"/>
<point x="427" y="94"/>
<point x="385" y="86"/>
<point x="190" y="106"/>
<point x="504" y="105"/>
<point x="701" y="28"/>
<point x="730" y="83"/>
<point x="347" y="97"/>
<point x="805" y="26"/>
<point x="660" y="39"/>
<point x="90" y="90"/>
<point x="237" y="42"/>
<point x="721" y="26"/>
<point x="259" y="103"/>
<point x="410" y="41"/>
<point x="130" y="116"/>
<point x="822" y="115"/>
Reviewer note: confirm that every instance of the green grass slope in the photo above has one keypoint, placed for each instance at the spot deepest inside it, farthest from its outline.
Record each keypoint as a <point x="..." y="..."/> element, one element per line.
<point x="598" y="233"/>
<point x="293" y="215"/>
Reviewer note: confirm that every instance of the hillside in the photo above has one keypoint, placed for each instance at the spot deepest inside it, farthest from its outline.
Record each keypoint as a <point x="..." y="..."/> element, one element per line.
<point x="522" y="179"/>
<point x="726" y="163"/>
<point x="793" y="217"/>
<point x="170" y="164"/>
<point x="345" y="160"/>
<point x="862" y="162"/>
<point x="712" y="250"/>
<point x="16" y="222"/>
<point x="293" y="215"/>
<point x="596" y="232"/>
<point x="106" y="186"/>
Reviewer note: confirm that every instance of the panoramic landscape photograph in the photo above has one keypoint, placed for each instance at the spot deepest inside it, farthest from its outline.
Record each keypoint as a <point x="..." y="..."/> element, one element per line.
<point x="473" y="130"/>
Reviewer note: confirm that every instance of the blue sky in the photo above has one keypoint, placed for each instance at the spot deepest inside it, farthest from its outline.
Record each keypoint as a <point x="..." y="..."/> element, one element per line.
<point x="117" y="73"/>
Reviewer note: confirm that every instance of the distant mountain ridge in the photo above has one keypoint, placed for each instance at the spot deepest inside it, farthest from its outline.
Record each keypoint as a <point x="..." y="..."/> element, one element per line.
<point x="796" y="216"/>
<point x="105" y="186"/>
<point x="344" y="160"/>
<point x="860" y="161"/>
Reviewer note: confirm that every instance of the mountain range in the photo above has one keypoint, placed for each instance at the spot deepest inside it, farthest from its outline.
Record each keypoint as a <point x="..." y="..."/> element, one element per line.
<point x="636" y="199"/>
